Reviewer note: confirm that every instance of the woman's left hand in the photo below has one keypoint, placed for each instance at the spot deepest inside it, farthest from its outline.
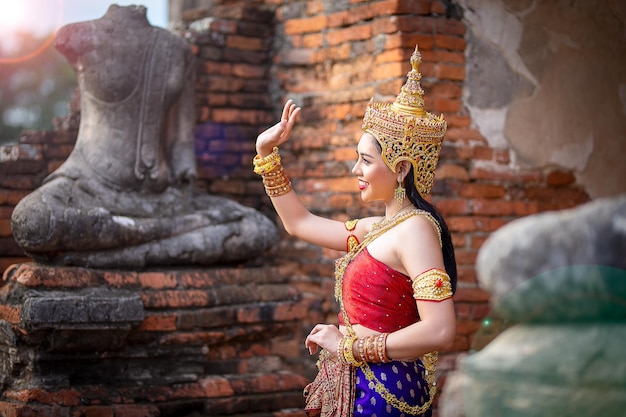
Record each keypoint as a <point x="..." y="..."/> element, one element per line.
<point x="325" y="336"/>
<point x="280" y="132"/>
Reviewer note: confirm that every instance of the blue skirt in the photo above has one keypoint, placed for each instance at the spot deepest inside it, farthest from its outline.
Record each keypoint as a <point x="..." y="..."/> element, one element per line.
<point x="405" y="380"/>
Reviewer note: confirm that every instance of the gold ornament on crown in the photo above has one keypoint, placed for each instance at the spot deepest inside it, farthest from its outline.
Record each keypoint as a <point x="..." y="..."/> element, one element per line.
<point x="406" y="132"/>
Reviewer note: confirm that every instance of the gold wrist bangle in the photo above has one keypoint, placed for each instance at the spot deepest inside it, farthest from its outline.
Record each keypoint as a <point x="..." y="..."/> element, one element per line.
<point x="348" y="354"/>
<point x="279" y="191"/>
<point x="264" y="165"/>
<point x="276" y="178"/>
<point x="371" y="348"/>
<point x="381" y="342"/>
<point x="262" y="160"/>
<point x="276" y="183"/>
<point x="340" y="348"/>
<point x="360" y="350"/>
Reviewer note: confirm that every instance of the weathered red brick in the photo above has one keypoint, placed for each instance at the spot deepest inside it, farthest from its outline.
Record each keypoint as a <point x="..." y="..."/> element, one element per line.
<point x="159" y="323"/>
<point x="313" y="40"/>
<point x="384" y="25"/>
<point x="313" y="7"/>
<point x="450" y="27"/>
<point x="157" y="280"/>
<point x="34" y="275"/>
<point x="250" y="71"/>
<point x="120" y="279"/>
<point x="465" y="256"/>
<point x="64" y="397"/>
<point x="465" y="135"/>
<point x="482" y="153"/>
<point x="466" y="327"/>
<point x="353" y="33"/>
<point x="466" y="274"/>
<point x="193" y="339"/>
<point x="93" y="411"/>
<point x="474" y="190"/>
<point x="305" y="25"/>
<point x="559" y="178"/>
<point x="450" y="72"/>
<point x="5" y="227"/>
<point x="507" y="174"/>
<point x="451" y="171"/>
<point x="450" y="42"/>
<point x="287" y="311"/>
<point x="474" y="223"/>
<point x="460" y="344"/>
<point x="10" y="314"/>
<point x="224" y="26"/>
<point x="450" y="206"/>
<point x="175" y="299"/>
<point x="132" y="410"/>
<point x="437" y="7"/>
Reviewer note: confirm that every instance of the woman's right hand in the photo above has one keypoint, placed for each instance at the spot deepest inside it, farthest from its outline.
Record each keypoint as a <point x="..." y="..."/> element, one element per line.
<point x="326" y="336"/>
<point x="279" y="133"/>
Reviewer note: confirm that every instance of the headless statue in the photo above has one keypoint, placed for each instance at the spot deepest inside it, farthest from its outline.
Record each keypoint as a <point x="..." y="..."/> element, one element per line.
<point x="124" y="197"/>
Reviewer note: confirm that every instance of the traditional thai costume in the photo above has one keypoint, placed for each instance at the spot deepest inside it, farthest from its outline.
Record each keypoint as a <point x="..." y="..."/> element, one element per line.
<point x="372" y="294"/>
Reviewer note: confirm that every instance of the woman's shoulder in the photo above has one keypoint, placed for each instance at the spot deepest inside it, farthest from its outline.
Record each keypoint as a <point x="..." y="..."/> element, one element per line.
<point x="420" y="225"/>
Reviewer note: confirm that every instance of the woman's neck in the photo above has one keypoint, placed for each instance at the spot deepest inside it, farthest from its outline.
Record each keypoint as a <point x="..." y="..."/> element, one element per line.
<point x="391" y="212"/>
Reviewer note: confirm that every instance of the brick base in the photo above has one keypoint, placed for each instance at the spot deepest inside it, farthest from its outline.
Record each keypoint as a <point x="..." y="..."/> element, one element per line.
<point x="186" y="342"/>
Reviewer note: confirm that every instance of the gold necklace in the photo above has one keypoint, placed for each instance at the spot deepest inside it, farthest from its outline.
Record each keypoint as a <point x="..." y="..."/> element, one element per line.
<point x="429" y="359"/>
<point x="397" y="218"/>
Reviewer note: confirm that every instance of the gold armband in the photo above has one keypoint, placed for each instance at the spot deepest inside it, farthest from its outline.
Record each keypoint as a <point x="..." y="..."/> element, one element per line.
<point x="433" y="285"/>
<point x="352" y="240"/>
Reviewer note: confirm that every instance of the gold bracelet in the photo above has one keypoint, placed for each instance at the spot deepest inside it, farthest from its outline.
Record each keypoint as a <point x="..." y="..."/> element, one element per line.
<point x="371" y="349"/>
<point x="381" y="340"/>
<point x="264" y="165"/>
<point x="340" y="346"/>
<point x="277" y="183"/>
<point x="360" y="351"/>
<point x="348" y="354"/>
<point x="275" y="178"/>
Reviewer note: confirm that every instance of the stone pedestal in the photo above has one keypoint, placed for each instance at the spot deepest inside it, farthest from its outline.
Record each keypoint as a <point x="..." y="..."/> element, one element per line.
<point x="184" y="342"/>
<point x="554" y="342"/>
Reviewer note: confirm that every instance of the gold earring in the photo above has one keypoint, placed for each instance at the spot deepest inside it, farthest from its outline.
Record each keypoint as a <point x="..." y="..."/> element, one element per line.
<point x="399" y="193"/>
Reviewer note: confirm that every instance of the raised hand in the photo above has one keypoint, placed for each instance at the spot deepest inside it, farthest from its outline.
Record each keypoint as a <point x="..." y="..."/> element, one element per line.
<point x="280" y="132"/>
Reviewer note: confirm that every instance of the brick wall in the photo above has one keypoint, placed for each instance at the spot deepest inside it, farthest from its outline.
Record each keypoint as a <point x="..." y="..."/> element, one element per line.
<point x="331" y="57"/>
<point x="81" y="342"/>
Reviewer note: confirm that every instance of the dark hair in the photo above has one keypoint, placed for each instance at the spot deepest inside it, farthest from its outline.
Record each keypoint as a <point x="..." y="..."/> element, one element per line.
<point x="447" y="248"/>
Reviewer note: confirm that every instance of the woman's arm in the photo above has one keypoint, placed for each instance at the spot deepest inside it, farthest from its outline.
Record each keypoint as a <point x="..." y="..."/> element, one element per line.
<point x="436" y="329"/>
<point x="296" y="218"/>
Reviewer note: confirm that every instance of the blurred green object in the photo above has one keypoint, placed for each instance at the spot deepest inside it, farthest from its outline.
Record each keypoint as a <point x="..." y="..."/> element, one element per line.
<point x="553" y="347"/>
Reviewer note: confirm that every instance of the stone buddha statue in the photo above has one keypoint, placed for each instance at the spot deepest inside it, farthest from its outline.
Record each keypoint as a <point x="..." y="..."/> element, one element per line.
<point x="124" y="198"/>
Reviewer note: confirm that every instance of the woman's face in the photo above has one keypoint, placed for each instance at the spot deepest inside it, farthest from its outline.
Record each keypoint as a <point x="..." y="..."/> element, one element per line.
<point x="376" y="180"/>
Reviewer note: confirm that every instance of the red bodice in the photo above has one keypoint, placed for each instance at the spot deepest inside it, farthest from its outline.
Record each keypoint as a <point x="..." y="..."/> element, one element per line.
<point x="376" y="296"/>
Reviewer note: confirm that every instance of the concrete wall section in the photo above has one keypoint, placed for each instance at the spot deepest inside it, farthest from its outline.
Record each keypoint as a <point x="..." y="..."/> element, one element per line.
<point x="547" y="79"/>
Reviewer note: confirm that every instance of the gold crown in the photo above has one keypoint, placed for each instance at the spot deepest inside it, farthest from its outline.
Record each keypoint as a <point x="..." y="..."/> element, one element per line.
<point x="406" y="132"/>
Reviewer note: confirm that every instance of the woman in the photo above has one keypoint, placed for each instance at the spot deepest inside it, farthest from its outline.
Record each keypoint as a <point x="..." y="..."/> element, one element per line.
<point x="394" y="286"/>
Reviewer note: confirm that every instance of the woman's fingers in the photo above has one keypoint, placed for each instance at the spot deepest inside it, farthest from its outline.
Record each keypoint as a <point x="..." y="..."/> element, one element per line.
<point x="290" y="123"/>
<point x="280" y="132"/>
<point x="287" y="109"/>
